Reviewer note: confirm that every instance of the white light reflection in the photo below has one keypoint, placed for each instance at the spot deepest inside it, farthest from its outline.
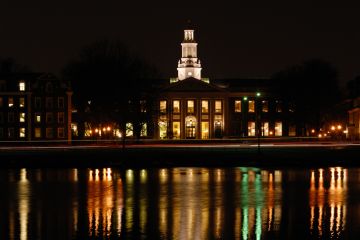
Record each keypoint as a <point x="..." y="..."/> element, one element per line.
<point x="23" y="195"/>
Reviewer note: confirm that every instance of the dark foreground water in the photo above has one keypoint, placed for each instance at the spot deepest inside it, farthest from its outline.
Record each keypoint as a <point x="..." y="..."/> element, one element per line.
<point x="180" y="203"/>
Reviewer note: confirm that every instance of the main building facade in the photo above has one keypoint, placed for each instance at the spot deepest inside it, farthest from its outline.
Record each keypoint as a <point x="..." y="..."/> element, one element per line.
<point x="192" y="107"/>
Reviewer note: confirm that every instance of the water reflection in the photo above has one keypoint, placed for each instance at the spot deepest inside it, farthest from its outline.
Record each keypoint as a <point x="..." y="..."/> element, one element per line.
<point x="328" y="204"/>
<point x="179" y="203"/>
<point x="104" y="203"/>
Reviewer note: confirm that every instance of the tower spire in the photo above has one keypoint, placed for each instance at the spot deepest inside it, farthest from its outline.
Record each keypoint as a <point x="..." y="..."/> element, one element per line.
<point x="189" y="65"/>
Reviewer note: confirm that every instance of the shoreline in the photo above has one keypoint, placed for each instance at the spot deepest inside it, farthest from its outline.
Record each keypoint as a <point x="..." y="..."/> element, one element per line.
<point x="138" y="156"/>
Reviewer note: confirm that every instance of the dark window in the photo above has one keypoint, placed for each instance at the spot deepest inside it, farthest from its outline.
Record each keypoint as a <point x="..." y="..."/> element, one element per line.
<point x="49" y="117"/>
<point x="60" y="117"/>
<point x="49" y="102"/>
<point x="60" y="102"/>
<point x="10" y="117"/>
<point x="37" y="102"/>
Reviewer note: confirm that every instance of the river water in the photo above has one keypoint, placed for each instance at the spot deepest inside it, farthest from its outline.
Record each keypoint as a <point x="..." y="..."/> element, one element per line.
<point x="180" y="203"/>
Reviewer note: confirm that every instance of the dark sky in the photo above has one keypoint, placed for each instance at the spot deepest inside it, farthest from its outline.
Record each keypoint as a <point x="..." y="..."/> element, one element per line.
<point x="234" y="40"/>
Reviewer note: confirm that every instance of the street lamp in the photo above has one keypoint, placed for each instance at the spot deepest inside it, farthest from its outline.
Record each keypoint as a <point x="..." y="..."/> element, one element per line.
<point x="258" y="121"/>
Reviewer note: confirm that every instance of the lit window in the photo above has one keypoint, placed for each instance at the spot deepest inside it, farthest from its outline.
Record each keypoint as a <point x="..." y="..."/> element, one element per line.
<point x="204" y="130"/>
<point x="11" y="102"/>
<point x="251" y="129"/>
<point x="265" y="129"/>
<point x="204" y="106"/>
<point x="292" y="130"/>
<point x="278" y="129"/>
<point x="163" y="106"/>
<point x="21" y="102"/>
<point x="38" y="118"/>
<point x="22" y="132"/>
<point x="265" y="106"/>
<point x="218" y="106"/>
<point x="176" y="106"/>
<point x="60" y="102"/>
<point x="162" y="129"/>
<point x="251" y="106"/>
<point x="22" y="86"/>
<point x="38" y="132"/>
<point x="61" y="132"/>
<point x="176" y="130"/>
<point x="49" y="133"/>
<point x="129" y="130"/>
<point x="60" y="117"/>
<point x="190" y="106"/>
<point x="143" y="132"/>
<point x="237" y="106"/>
<point x="22" y="117"/>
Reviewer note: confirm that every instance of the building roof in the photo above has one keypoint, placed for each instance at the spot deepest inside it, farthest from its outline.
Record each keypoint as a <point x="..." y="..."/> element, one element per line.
<point x="192" y="85"/>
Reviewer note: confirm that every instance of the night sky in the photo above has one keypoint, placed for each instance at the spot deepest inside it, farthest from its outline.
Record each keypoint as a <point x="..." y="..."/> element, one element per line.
<point x="244" y="40"/>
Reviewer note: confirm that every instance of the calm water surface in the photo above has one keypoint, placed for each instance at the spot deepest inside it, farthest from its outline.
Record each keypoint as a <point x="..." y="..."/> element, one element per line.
<point x="180" y="203"/>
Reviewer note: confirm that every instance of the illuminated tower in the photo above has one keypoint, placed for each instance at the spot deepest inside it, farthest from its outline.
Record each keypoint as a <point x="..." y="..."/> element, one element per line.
<point x="189" y="65"/>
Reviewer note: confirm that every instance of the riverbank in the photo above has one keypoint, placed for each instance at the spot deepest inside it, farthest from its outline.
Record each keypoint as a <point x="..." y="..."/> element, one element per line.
<point x="170" y="155"/>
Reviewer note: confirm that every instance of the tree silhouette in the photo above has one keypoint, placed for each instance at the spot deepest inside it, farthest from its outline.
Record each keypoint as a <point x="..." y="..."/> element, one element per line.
<point x="312" y="87"/>
<point x="111" y="81"/>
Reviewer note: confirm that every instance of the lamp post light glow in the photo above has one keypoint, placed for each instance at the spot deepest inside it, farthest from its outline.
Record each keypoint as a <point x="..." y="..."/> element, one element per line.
<point x="258" y="118"/>
<point x="339" y="127"/>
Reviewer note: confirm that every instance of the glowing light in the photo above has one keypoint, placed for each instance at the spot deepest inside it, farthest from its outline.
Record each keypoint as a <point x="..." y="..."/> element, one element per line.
<point x="104" y="129"/>
<point x="245" y="98"/>
<point x="108" y="128"/>
<point x="332" y="128"/>
<point x="313" y="131"/>
<point x="339" y="127"/>
<point x="258" y="94"/>
<point x="345" y="131"/>
<point x="96" y="130"/>
<point x="271" y="132"/>
<point x="320" y="135"/>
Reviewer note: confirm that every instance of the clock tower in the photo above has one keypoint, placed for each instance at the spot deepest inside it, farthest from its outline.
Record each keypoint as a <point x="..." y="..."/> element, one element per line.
<point x="189" y="65"/>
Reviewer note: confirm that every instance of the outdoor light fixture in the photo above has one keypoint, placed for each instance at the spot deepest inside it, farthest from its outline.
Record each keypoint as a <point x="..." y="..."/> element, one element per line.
<point x="313" y="131"/>
<point x="339" y="127"/>
<point x="332" y="128"/>
<point x="258" y="94"/>
<point x="245" y="98"/>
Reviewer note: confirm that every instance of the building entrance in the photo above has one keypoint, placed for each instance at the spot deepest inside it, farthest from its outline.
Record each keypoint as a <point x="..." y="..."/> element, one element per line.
<point x="190" y="127"/>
